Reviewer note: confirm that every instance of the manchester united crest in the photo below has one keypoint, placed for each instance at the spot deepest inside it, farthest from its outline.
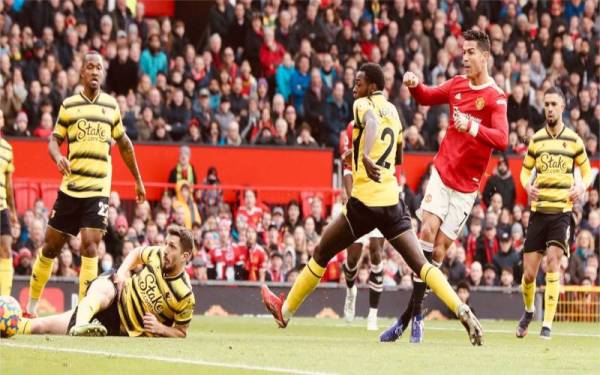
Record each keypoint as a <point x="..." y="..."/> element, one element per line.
<point x="428" y="198"/>
<point x="479" y="103"/>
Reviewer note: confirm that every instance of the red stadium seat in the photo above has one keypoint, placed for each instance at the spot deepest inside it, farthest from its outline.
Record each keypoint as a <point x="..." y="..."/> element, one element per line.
<point x="25" y="195"/>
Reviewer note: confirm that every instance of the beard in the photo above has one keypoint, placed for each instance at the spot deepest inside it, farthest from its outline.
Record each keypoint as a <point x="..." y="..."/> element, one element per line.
<point x="552" y="123"/>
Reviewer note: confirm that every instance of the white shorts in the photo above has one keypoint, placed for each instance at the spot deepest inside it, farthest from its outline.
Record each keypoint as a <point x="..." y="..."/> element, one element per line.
<point x="364" y="240"/>
<point x="452" y="206"/>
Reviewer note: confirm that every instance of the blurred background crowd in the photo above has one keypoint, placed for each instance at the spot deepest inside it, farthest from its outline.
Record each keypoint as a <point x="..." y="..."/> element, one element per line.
<point x="280" y="72"/>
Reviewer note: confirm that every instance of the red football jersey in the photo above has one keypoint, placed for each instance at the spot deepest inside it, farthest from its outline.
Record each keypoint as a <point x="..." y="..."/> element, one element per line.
<point x="463" y="157"/>
<point x="346" y="142"/>
<point x="253" y="215"/>
<point x="257" y="260"/>
<point x="334" y="268"/>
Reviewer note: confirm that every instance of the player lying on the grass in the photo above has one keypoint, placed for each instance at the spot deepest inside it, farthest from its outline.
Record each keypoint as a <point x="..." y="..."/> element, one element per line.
<point x="553" y="151"/>
<point x="374" y="240"/>
<point x="374" y="203"/>
<point x="156" y="301"/>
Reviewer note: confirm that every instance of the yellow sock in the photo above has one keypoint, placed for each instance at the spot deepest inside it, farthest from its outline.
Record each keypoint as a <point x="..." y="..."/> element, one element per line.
<point x="87" y="308"/>
<point x="551" y="297"/>
<point x="436" y="280"/>
<point x="42" y="269"/>
<point x="6" y="276"/>
<point x="88" y="272"/>
<point x="304" y="285"/>
<point x="24" y="326"/>
<point x="528" y="294"/>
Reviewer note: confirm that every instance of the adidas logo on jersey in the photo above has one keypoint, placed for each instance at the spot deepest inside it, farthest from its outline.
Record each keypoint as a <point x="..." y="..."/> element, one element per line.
<point x="457" y="96"/>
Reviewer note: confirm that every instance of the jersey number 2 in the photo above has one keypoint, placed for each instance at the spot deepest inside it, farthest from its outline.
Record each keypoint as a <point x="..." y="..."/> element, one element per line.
<point x="382" y="160"/>
<point x="103" y="211"/>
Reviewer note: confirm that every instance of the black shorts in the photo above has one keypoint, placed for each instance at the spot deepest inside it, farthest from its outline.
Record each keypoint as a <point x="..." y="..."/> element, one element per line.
<point x="4" y="222"/>
<point x="392" y="221"/>
<point x="109" y="317"/>
<point x="548" y="229"/>
<point x="70" y="214"/>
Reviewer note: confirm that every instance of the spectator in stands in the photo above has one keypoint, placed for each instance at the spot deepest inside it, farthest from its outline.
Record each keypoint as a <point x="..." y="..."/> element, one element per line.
<point x="178" y="116"/>
<point x="45" y="128"/>
<point x="507" y="278"/>
<point x="489" y="276"/>
<point x="184" y="170"/>
<point x="271" y="54"/>
<point x="10" y="106"/>
<point x="305" y="139"/>
<point x="153" y="60"/>
<point x="315" y="102"/>
<point x="122" y="73"/>
<point x="65" y="264"/>
<point x="283" y="76"/>
<point x="233" y="137"/>
<point x="578" y="261"/>
<point x="453" y="267"/>
<point x="300" y="82"/>
<point x="476" y="274"/>
<point x="221" y="16"/>
<point x="501" y="182"/>
<point x="24" y="262"/>
<point x="337" y="115"/>
<point x="184" y="200"/>
<point x="507" y="257"/>
<point x="224" y="116"/>
<point x="257" y="257"/>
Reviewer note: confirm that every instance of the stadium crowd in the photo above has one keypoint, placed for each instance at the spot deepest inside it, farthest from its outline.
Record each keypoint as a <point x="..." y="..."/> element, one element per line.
<point x="281" y="73"/>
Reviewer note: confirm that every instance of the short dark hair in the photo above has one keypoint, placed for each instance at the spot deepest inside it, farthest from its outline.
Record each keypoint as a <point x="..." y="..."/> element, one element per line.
<point x="186" y="238"/>
<point x="374" y="74"/>
<point x="482" y="39"/>
<point x="463" y="285"/>
<point x="557" y="91"/>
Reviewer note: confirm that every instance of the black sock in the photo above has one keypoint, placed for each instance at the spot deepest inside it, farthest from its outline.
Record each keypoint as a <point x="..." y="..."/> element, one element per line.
<point x="375" y="285"/>
<point x="415" y="304"/>
<point x="349" y="275"/>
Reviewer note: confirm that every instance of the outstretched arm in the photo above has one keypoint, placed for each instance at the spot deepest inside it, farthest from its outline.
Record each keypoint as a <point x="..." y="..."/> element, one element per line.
<point x="426" y="95"/>
<point x="128" y="155"/>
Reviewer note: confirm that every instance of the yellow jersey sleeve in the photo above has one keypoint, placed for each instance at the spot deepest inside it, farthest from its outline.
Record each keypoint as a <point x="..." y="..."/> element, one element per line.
<point x="360" y="108"/>
<point x="10" y="168"/>
<point x="62" y="123"/>
<point x="580" y="153"/>
<point x="185" y="316"/>
<point x="149" y="253"/>
<point x="118" y="130"/>
<point x="529" y="161"/>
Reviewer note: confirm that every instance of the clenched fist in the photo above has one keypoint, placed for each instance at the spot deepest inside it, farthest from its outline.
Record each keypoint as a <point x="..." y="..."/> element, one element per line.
<point x="410" y="80"/>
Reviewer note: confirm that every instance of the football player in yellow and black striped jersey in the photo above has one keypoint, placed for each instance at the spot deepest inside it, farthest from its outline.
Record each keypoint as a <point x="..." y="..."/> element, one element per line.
<point x="553" y="154"/>
<point x="156" y="301"/>
<point x="8" y="214"/>
<point x="89" y="121"/>
<point x="374" y="203"/>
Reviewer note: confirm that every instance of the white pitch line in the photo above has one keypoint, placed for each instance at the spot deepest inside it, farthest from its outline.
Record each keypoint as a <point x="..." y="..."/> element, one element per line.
<point x="196" y="362"/>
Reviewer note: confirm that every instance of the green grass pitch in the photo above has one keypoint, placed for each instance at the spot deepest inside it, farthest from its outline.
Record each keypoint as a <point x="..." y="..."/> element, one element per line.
<point x="240" y="345"/>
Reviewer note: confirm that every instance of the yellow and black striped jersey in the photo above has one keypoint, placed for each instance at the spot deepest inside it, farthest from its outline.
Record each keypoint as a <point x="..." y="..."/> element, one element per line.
<point x="6" y="167"/>
<point x="89" y="126"/>
<point x="383" y="153"/>
<point x="554" y="160"/>
<point x="170" y="299"/>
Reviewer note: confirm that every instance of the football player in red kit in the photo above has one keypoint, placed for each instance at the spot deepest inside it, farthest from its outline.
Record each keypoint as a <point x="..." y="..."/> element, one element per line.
<point x="478" y="125"/>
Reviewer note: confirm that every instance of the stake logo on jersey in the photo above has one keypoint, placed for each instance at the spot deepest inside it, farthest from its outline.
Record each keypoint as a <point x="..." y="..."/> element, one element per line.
<point x="170" y="299"/>
<point x="89" y="126"/>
